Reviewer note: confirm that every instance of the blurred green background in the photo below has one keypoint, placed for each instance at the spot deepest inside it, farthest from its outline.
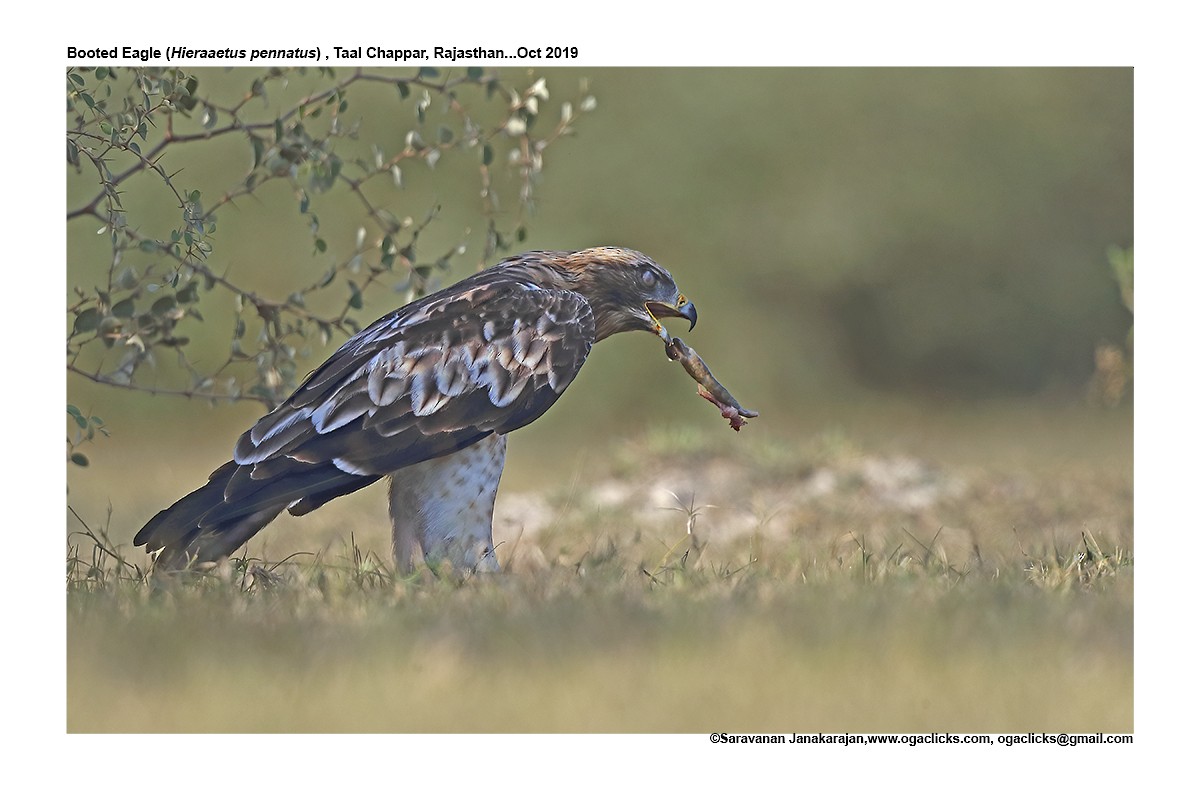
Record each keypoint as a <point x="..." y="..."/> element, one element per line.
<point x="917" y="257"/>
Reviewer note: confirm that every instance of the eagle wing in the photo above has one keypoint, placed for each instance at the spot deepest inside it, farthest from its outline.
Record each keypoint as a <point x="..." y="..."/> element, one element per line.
<point x="485" y="356"/>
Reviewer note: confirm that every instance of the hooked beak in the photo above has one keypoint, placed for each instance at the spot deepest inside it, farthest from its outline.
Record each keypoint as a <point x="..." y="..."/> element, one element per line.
<point x="683" y="308"/>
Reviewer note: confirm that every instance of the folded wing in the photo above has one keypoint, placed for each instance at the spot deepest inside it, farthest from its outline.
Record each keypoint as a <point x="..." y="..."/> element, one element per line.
<point x="485" y="356"/>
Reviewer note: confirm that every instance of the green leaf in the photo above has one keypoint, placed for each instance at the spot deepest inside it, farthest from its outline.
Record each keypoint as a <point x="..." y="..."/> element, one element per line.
<point x="127" y="279"/>
<point x="123" y="308"/>
<point x="80" y="459"/>
<point x="474" y="73"/>
<point x="356" y="299"/>
<point x="427" y="72"/>
<point x="162" y="305"/>
<point x="188" y="294"/>
<point x="488" y="154"/>
<point x="87" y="320"/>
<point x="80" y="420"/>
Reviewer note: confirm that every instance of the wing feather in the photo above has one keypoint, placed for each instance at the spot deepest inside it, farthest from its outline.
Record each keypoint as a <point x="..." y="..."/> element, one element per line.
<point x="487" y="356"/>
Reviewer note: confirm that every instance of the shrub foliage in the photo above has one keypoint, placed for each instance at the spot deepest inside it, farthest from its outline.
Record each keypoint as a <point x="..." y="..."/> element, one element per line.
<point x="146" y="299"/>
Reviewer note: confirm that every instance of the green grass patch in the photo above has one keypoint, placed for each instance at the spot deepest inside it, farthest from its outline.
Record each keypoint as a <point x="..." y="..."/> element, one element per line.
<point x="687" y="586"/>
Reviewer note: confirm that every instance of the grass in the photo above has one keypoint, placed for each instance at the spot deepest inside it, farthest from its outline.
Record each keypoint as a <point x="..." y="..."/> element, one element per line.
<point x="819" y="589"/>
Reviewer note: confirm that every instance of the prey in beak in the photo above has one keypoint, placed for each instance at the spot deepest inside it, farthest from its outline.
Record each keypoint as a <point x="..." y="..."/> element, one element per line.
<point x="683" y="308"/>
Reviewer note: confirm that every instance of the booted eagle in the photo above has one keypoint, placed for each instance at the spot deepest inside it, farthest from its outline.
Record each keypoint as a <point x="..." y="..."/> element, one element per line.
<point x="426" y="397"/>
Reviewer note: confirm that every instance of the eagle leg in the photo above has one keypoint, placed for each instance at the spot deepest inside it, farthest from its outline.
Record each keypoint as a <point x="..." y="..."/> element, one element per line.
<point x="444" y="506"/>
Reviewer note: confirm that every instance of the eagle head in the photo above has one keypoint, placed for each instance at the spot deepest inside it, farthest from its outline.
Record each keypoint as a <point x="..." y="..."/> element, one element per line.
<point x="628" y="290"/>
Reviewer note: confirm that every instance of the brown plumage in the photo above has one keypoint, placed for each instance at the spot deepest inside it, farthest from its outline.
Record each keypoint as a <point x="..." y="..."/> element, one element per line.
<point x="425" y="395"/>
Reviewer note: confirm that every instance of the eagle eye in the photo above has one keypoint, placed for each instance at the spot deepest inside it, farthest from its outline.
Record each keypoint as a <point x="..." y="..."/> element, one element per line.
<point x="649" y="278"/>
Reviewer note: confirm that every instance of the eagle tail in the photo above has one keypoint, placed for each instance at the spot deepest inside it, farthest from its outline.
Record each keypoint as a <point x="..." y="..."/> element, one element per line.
<point x="215" y="520"/>
<point x="185" y="535"/>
